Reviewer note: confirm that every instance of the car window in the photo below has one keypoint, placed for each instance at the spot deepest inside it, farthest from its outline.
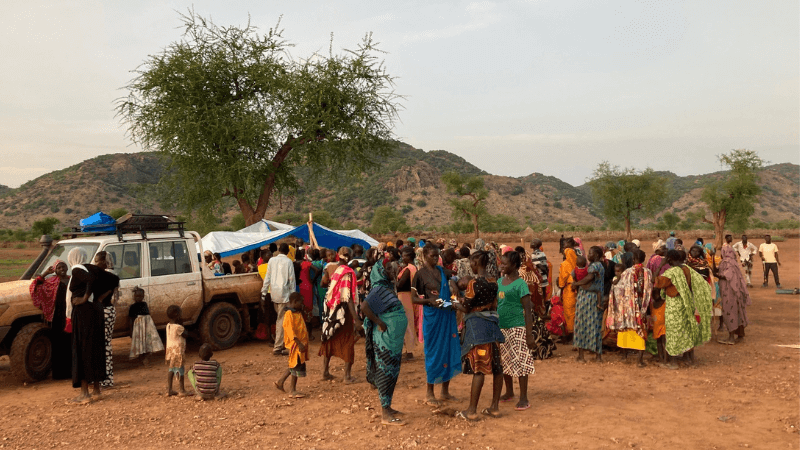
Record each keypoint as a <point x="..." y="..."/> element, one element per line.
<point x="126" y="260"/>
<point x="169" y="258"/>
<point x="60" y="252"/>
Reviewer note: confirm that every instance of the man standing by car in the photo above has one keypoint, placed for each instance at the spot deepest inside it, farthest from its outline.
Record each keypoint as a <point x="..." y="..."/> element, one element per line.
<point x="768" y="252"/>
<point x="279" y="283"/>
<point x="745" y="250"/>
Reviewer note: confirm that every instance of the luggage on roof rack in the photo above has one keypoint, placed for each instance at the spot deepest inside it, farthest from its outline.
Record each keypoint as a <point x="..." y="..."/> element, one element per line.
<point x="129" y="223"/>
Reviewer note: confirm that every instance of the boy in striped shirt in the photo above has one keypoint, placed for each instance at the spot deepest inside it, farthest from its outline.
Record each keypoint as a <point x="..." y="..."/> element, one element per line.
<point x="206" y="375"/>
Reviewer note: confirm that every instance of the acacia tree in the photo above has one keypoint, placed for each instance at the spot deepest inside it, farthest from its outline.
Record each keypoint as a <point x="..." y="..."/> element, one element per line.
<point x="471" y="201"/>
<point x="731" y="199"/>
<point x="625" y="193"/>
<point x="234" y="114"/>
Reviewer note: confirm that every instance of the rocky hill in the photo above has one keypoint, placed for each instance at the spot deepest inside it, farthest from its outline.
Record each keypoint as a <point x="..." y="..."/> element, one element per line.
<point x="409" y="181"/>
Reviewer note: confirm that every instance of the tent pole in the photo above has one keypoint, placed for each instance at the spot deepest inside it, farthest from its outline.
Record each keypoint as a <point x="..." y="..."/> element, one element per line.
<point x="311" y="236"/>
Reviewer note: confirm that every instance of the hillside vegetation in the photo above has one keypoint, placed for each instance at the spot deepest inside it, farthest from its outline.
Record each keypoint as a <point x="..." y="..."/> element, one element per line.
<point x="409" y="181"/>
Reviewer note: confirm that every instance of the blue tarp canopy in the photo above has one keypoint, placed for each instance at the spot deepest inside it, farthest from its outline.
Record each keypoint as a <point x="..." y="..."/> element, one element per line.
<point x="228" y="243"/>
<point x="99" y="222"/>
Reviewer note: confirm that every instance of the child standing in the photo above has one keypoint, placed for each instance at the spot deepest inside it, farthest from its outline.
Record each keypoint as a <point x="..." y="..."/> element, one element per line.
<point x="205" y="376"/>
<point x="144" y="335"/>
<point x="176" y="349"/>
<point x="295" y="338"/>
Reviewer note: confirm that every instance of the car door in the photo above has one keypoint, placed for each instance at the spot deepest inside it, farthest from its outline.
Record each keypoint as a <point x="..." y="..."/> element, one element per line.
<point x="126" y="260"/>
<point x="174" y="280"/>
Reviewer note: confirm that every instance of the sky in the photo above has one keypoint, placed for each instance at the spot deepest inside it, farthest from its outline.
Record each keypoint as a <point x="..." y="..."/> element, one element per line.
<point x="515" y="87"/>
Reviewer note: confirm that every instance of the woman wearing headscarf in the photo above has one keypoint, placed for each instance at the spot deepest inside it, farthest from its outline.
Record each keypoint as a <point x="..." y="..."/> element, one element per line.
<point x="341" y="322"/>
<point x="88" y="353"/>
<point x="735" y="296"/>
<point x="385" y="327"/>
<point x="688" y="307"/>
<point x="50" y="295"/>
<point x="104" y="290"/>
<point x="568" y="296"/>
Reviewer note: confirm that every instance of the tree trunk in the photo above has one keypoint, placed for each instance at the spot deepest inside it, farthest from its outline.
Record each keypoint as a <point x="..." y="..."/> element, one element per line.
<point x="253" y="215"/>
<point x="475" y="224"/>
<point x="719" y="218"/>
<point x="628" y="227"/>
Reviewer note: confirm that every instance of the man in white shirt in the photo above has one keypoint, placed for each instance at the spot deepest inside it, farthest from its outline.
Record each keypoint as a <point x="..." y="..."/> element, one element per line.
<point x="279" y="283"/>
<point x="745" y="250"/>
<point x="768" y="252"/>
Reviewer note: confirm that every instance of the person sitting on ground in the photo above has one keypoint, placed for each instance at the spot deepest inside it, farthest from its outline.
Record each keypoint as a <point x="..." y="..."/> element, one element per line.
<point x="295" y="338"/>
<point x="205" y="375"/>
<point x="176" y="350"/>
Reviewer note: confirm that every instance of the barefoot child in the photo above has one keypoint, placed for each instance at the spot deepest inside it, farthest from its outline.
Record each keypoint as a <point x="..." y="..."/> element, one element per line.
<point x="580" y="271"/>
<point x="144" y="335"/>
<point x="295" y="337"/>
<point x="205" y="376"/>
<point x="176" y="349"/>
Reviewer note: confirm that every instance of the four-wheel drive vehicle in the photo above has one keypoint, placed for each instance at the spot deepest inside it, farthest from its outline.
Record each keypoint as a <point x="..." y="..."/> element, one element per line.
<point x="165" y="264"/>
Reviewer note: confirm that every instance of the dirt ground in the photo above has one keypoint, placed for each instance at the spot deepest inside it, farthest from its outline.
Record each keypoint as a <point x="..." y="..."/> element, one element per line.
<point x="742" y="396"/>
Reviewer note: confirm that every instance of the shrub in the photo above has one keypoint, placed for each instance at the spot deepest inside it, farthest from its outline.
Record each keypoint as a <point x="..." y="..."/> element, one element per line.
<point x="116" y="213"/>
<point x="422" y="203"/>
<point x="557" y="205"/>
<point x="517" y="190"/>
<point x="44" y="226"/>
<point x="20" y="246"/>
<point x="407" y="209"/>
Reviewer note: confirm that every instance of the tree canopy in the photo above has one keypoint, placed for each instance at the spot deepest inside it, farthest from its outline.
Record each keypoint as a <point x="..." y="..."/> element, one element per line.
<point x="731" y="199"/>
<point x="235" y="114"/>
<point x="626" y="193"/>
<point x="470" y="202"/>
<point x="387" y="220"/>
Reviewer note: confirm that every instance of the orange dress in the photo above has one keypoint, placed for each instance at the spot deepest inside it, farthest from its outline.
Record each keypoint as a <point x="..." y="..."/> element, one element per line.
<point x="568" y="298"/>
<point x="294" y="326"/>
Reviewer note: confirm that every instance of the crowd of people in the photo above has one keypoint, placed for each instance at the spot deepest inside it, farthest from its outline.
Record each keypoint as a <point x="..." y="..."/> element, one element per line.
<point x="480" y="309"/>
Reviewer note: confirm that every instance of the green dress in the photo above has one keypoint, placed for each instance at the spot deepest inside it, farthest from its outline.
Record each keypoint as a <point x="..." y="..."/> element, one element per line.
<point x="684" y="332"/>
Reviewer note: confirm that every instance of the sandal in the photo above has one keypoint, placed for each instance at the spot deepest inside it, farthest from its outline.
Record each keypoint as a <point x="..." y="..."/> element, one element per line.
<point x="487" y="412"/>
<point x="461" y="415"/>
<point x="522" y="408"/>
<point x="394" y="421"/>
<point x="725" y="341"/>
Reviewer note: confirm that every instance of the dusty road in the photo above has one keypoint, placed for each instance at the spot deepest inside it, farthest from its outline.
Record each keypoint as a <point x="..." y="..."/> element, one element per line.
<point x="743" y="396"/>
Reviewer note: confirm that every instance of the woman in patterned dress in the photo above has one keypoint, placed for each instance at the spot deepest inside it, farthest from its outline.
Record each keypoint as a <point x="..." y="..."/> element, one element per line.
<point x="515" y="310"/>
<point x="588" y="311"/>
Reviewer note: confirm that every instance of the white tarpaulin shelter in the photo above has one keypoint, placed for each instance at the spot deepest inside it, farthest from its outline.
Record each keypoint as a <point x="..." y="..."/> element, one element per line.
<point x="264" y="232"/>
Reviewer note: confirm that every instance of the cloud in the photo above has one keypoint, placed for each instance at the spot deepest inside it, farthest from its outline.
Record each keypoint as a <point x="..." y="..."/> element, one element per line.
<point x="480" y="14"/>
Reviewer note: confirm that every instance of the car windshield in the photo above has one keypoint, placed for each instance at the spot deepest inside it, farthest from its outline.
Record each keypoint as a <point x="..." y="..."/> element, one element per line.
<point x="61" y="251"/>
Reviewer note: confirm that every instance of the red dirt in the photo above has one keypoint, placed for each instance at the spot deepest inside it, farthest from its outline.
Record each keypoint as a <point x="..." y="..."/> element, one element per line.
<point x="614" y="405"/>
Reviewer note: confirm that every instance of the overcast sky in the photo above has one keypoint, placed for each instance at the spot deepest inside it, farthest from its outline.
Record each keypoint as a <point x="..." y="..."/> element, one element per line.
<point x="513" y="87"/>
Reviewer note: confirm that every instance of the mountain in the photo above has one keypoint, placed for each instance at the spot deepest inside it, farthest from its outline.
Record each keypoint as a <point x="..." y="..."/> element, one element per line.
<point x="409" y="180"/>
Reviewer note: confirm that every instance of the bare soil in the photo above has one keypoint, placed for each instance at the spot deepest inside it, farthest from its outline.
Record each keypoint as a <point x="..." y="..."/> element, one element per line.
<point x="742" y="396"/>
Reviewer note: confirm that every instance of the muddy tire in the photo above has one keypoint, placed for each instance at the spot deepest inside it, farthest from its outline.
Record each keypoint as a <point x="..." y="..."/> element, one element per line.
<point x="221" y="326"/>
<point x="31" y="353"/>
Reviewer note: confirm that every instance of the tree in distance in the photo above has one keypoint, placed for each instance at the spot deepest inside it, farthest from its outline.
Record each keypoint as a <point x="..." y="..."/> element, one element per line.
<point x="731" y="200"/>
<point x="626" y="193"/>
<point x="44" y="226"/>
<point x="387" y="220"/>
<point x="234" y="114"/>
<point x="116" y="213"/>
<point x="470" y="203"/>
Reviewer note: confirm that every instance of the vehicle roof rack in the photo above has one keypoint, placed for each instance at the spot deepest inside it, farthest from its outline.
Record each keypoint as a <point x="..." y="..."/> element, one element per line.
<point x="136" y="223"/>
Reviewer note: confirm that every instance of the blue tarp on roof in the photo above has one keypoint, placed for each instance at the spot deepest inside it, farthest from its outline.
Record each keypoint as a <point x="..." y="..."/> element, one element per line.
<point x="98" y="223"/>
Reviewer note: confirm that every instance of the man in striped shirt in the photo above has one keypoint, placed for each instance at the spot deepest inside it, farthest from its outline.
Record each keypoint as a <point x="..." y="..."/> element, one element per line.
<point x="206" y="375"/>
